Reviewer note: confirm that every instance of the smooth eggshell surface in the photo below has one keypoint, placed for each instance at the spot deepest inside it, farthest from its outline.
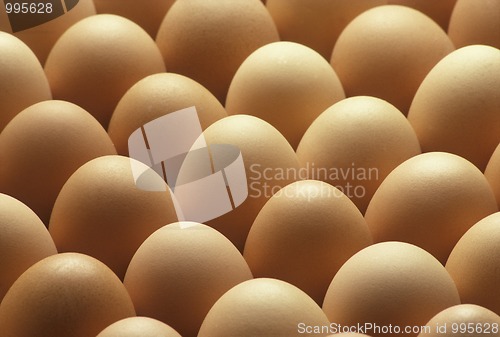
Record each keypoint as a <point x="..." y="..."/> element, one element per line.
<point x="439" y="11"/>
<point x="492" y="173"/>
<point x="138" y="327"/>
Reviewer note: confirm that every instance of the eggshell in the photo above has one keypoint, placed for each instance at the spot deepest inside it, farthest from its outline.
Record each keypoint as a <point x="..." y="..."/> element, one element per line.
<point x="430" y="200"/>
<point x="439" y="11"/>
<point x="463" y="320"/>
<point x="492" y="173"/>
<point x="64" y="295"/>
<point x="285" y="84"/>
<point x="473" y="264"/>
<point x="24" y="240"/>
<point x="179" y="272"/>
<point x="355" y="144"/>
<point x="42" y="38"/>
<point x="270" y="164"/>
<point x="456" y="108"/>
<point x="390" y="283"/>
<point x="98" y="59"/>
<point x="387" y="51"/>
<point x="475" y="22"/>
<point x="22" y="80"/>
<point x="147" y="14"/>
<point x="102" y="213"/>
<point x="247" y="310"/>
<point x="153" y="97"/>
<point x="42" y="146"/>
<point x="138" y="327"/>
<point x="208" y="40"/>
<point x="303" y="235"/>
<point x="316" y="24"/>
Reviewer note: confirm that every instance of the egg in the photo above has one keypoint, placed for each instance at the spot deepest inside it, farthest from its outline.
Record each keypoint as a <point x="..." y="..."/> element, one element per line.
<point x="64" y="295"/>
<point x="456" y="107"/>
<point x="101" y="211"/>
<point x="316" y="24"/>
<point x="387" y="51"/>
<point x="24" y="241"/>
<point x="179" y="272"/>
<point x="475" y="22"/>
<point x="355" y="144"/>
<point x="389" y="284"/>
<point x="42" y="146"/>
<point x="492" y="173"/>
<point x="247" y="310"/>
<point x="155" y="96"/>
<point x="439" y="11"/>
<point x="462" y="320"/>
<point x="138" y="327"/>
<point x="473" y="264"/>
<point x="430" y="200"/>
<point x="147" y="14"/>
<point x="208" y="40"/>
<point x="303" y="235"/>
<point x="98" y="59"/>
<point x="285" y="84"/>
<point x="41" y="38"/>
<point x="22" y="80"/>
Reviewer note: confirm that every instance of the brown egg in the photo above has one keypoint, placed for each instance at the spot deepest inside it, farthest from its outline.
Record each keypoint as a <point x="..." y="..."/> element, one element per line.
<point x="355" y="144"/>
<point x="473" y="264"/>
<point x="208" y="40"/>
<point x="138" y="327"/>
<point x="263" y="307"/>
<point x="22" y="80"/>
<point x="285" y="84"/>
<point x="316" y="24"/>
<point x="430" y="200"/>
<point x="492" y="173"/>
<point x="155" y="96"/>
<point x="389" y="284"/>
<point x="41" y="38"/>
<point x="42" y="146"/>
<point x="463" y="320"/>
<point x="98" y="59"/>
<point x="387" y="51"/>
<point x="180" y="271"/>
<point x="439" y="11"/>
<point x="456" y="108"/>
<point x="102" y="213"/>
<point x="23" y="242"/>
<point x="475" y="22"/>
<point x="270" y="164"/>
<point x="64" y="295"/>
<point x="304" y="234"/>
<point x="147" y="14"/>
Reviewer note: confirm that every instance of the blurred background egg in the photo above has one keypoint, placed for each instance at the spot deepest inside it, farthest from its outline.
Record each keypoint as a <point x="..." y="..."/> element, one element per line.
<point x="247" y="310"/>
<point x="473" y="264"/>
<point x="155" y="96"/>
<point x="42" y="146"/>
<point x="457" y="107"/>
<point x="101" y="212"/>
<point x="138" y="327"/>
<point x="208" y="40"/>
<point x="316" y="24"/>
<point x="387" y="51"/>
<point x="285" y="84"/>
<point x="24" y="240"/>
<point x="439" y="11"/>
<point x="64" y="295"/>
<point x="355" y="144"/>
<point x="303" y="235"/>
<point x="475" y="22"/>
<point x="22" y="80"/>
<point x="430" y="200"/>
<point x="179" y="272"/>
<point x="390" y="283"/>
<point x="492" y="173"/>
<point x="98" y="59"/>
